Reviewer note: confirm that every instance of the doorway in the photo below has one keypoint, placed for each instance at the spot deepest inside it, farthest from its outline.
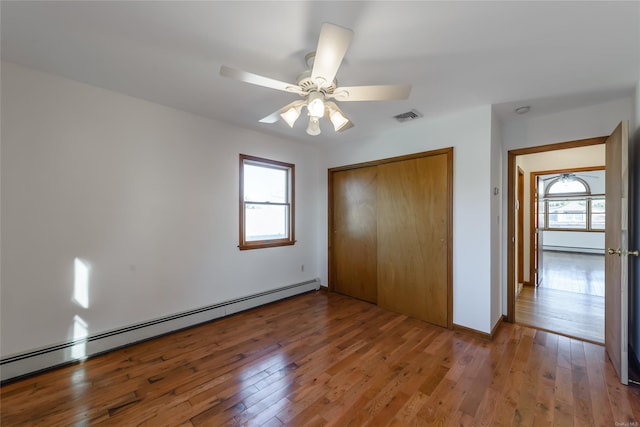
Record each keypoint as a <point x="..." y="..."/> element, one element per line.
<point x="535" y="299"/>
<point x="567" y="212"/>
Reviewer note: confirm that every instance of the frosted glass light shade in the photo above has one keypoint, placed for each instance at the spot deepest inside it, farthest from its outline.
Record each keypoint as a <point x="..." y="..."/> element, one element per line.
<point x="314" y="126"/>
<point x="315" y="104"/>
<point x="337" y="119"/>
<point x="291" y="115"/>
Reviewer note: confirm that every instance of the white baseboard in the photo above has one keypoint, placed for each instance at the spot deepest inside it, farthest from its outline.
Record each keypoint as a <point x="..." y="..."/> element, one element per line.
<point x="34" y="361"/>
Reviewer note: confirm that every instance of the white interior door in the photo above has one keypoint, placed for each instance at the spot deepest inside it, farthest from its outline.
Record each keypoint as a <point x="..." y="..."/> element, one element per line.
<point x="616" y="259"/>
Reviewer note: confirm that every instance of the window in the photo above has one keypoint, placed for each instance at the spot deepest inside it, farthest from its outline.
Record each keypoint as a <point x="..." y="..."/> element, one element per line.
<point x="570" y="206"/>
<point x="597" y="214"/>
<point x="266" y="203"/>
<point x="567" y="214"/>
<point x="567" y="186"/>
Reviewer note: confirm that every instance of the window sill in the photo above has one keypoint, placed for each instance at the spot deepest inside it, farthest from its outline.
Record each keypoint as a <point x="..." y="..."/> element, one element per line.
<point x="265" y="244"/>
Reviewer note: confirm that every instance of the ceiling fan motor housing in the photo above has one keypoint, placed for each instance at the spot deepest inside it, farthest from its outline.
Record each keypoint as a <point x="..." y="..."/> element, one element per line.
<point x="307" y="84"/>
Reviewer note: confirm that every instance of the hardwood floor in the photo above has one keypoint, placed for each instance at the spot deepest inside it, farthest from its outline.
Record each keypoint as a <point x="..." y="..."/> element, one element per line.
<point x="327" y="359"/>
<point x="570" y="300"/>
<point x="566" y="313"/>
<point x="573" y="272"/>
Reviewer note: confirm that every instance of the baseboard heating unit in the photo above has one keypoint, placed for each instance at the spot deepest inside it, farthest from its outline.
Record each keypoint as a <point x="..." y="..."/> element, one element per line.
<point x="31" y="362"/>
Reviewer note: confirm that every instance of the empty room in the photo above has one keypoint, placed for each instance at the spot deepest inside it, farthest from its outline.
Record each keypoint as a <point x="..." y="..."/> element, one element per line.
<point x="317" y="213"/>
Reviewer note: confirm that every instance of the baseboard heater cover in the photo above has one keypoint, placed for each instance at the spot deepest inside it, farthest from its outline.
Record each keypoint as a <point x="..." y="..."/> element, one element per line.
<point x="573" y="249"/>
<point x="28" y="363"/>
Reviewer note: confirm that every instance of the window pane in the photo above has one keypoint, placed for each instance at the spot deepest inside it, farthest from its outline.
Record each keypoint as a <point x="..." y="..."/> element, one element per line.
<point x="597" y="214"/>
<point x="265" y="184"/>
<point x="266" y="222"/>
<point x="567" y="214"/>
<point x="541" y="223"/>
<point x="560" y="187"/>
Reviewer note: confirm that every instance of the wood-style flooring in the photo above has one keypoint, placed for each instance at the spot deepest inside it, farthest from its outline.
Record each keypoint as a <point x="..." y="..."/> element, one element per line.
<point x="570" y="300"/>
<point x="326" y="359"/>
<point x="573" y="272"/>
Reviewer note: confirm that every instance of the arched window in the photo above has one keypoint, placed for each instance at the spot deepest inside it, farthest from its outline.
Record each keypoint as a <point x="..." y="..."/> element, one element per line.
<point x="567" y="184"/>
<point x="570" y="205"/>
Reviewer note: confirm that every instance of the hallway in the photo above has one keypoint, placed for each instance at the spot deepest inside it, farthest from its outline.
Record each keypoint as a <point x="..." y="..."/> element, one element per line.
<point x="570" y="300"/>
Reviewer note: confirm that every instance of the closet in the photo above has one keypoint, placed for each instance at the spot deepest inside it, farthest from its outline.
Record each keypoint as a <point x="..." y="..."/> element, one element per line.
<point x="390" y="234"/>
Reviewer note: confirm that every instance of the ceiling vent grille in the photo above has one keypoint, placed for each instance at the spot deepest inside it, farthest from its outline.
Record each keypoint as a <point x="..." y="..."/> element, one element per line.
<point x="408" y="116"/>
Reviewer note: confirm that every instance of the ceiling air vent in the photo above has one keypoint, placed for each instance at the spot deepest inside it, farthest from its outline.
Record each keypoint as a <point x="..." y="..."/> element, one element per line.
<point x="409" y="115"/>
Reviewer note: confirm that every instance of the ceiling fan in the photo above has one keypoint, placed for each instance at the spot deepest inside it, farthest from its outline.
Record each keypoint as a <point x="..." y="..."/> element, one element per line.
<point x="568" y="177"/>
<point x="318" y="85"/>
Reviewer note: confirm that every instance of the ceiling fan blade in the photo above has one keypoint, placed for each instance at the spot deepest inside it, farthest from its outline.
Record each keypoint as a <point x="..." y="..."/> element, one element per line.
<point x="332" y="46"/>
<point x="255" y="79"/>
<point x="371" y="93"/>
<point x="271" y="118"/>
<point x="275" y="116"/>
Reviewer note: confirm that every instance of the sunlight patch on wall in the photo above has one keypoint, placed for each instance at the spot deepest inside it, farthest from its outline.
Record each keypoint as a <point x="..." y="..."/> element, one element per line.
<point x="81" y="271"/>
<point x="80" y="331"/>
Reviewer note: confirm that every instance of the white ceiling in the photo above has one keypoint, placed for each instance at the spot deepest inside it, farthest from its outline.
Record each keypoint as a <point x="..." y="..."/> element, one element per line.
<point x="457" y="55"/>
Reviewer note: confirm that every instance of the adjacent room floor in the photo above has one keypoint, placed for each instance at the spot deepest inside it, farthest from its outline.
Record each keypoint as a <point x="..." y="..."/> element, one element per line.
<point x="570" y="299"/>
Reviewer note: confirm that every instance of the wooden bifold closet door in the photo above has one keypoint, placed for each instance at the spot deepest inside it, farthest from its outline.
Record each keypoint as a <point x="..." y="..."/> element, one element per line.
<point x="355" y="233"/>
<point x="391" y="234"/>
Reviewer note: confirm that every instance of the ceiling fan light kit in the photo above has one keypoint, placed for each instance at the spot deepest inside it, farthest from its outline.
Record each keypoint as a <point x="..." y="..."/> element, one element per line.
<point x="291" y="114"/>
<point x="337" y="118"/>
<point x="318" y="84"/>
<point x="315" y="104"/>
<point x="314" y="126"/>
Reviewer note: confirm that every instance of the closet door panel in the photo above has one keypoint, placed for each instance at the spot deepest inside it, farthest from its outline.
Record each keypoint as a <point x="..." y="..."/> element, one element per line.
<point x="355" y="233"/>
<point x="412" y="242"/>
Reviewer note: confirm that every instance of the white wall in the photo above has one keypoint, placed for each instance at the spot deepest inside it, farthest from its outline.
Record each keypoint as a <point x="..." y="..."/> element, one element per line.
<point x="581" y="123"/>
<point x="146" y="195"/>
<point x="574" y="241"/>
<point x="496" y="220"/>
<point x="469" y="132"/>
